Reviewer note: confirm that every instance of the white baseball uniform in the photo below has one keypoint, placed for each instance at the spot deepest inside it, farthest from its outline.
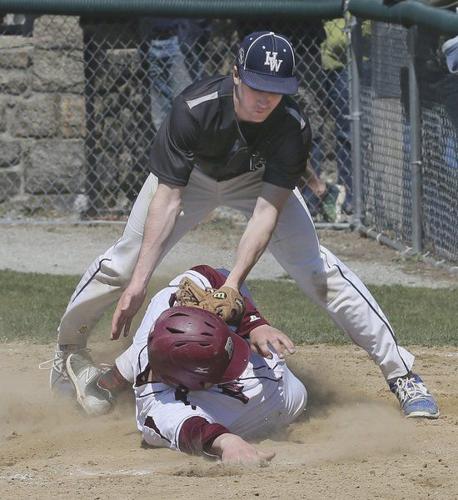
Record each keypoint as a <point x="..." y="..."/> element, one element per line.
<point x="265" y="398"/>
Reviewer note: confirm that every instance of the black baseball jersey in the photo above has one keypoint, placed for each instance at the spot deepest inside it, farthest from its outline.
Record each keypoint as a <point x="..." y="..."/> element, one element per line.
<point x="201" y="131"/>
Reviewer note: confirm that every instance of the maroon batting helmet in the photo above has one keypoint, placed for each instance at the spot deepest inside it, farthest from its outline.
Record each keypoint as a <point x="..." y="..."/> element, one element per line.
<point x="194" y="348"/>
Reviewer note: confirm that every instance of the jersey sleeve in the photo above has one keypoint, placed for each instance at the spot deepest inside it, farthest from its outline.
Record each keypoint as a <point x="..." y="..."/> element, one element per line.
<point x="171" y="154"/>
<point x="251" y="319"/>
<point x="290" y="152"/>
<point x="197" y="435"/>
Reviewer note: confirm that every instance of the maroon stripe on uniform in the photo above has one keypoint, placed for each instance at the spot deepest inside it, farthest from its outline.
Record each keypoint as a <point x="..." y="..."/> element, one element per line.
<point x="197" y="435"/>
<point x="149" y="422"/>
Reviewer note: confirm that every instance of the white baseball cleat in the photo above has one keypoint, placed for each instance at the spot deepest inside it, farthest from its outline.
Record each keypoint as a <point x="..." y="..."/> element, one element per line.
<point x="59" y="383"/>
<point x="84" y="376"/>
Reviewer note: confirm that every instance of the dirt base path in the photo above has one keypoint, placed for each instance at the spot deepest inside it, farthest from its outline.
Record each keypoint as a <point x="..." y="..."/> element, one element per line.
<point x="351" y="443"/>
<point x="69" y="249"/>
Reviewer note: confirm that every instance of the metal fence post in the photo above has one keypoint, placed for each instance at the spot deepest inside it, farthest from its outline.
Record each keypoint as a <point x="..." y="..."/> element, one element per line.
<point x="415" y="144"/>
<point x="355" y="60"/>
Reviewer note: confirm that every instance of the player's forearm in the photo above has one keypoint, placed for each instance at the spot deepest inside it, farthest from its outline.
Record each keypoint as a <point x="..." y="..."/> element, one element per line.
<point x="258" y="232"/>
<point x="162" y="213"/>
<point x="314" y="183"/>
<point x="252" y="244"/>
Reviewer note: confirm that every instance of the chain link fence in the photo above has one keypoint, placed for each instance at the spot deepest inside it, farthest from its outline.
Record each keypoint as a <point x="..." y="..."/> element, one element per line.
<point x="81" y="99"/>
<point x="387" y="192"/>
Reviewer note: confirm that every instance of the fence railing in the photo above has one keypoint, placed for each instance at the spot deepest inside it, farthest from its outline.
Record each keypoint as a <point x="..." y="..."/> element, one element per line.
<point x="81" y="98"/>
<point x="408" y="136"/>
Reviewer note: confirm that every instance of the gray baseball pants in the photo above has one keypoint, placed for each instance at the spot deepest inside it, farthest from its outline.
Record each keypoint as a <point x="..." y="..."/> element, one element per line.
<point x="294" y="244"/>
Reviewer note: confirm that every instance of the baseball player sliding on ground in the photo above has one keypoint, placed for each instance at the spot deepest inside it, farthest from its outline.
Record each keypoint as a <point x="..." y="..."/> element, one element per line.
<point x="238" y="141"/>
<point x="198" y="388"/>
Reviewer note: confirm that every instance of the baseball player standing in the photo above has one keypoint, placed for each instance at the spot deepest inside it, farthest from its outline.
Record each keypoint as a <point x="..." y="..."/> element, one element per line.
<point x="238" y="141"/>
<point x="198" y="389"/>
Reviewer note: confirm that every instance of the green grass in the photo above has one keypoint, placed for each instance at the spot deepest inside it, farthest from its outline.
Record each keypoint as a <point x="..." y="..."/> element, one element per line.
<point x="32" y="304"/>
<point x="418" y="315"/>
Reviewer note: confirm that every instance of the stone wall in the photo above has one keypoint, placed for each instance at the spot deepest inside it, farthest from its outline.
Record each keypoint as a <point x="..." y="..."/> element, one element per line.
<point x="76" y="119"/>
<point x="42" y="116"/>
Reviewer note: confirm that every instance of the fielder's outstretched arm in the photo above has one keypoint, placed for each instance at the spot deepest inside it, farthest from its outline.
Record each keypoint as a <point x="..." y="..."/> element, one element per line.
<point x="160" y="221"/>
<point x="258" y="232"/>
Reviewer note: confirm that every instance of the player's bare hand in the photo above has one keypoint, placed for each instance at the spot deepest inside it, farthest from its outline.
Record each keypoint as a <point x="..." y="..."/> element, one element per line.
<point x="316" y="185"/>
<point x="236" y="451"/>
<point x="128" y="305"/>
<point x="262" y="336"/>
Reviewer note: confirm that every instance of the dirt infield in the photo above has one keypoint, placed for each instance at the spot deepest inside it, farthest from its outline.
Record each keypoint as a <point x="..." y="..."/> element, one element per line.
<point x="351" y="443"/>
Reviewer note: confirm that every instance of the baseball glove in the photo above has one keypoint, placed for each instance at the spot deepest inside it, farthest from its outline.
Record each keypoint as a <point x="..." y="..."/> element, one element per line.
<point x="225" y="302"/>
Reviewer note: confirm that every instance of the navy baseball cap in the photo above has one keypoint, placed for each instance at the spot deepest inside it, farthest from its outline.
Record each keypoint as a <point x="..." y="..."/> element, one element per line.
<point x="266" y="62"/>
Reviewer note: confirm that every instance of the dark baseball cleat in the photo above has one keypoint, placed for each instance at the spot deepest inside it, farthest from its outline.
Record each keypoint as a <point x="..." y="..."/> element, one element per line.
<point x="84" y="376"/>
<point x="414" y="397"/>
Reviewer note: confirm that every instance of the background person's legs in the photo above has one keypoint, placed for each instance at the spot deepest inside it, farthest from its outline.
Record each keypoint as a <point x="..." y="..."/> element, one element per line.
<point x="338" y="104"/>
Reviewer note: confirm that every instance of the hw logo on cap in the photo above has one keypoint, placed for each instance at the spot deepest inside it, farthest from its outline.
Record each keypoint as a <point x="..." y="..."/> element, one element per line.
<point x="272" y="61"/>
<point x="266" y="62"/>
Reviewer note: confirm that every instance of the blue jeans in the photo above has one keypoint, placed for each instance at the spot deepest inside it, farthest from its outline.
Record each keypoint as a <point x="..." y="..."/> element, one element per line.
<point x="162" y="55"/>
<point x="337" y="102"/>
